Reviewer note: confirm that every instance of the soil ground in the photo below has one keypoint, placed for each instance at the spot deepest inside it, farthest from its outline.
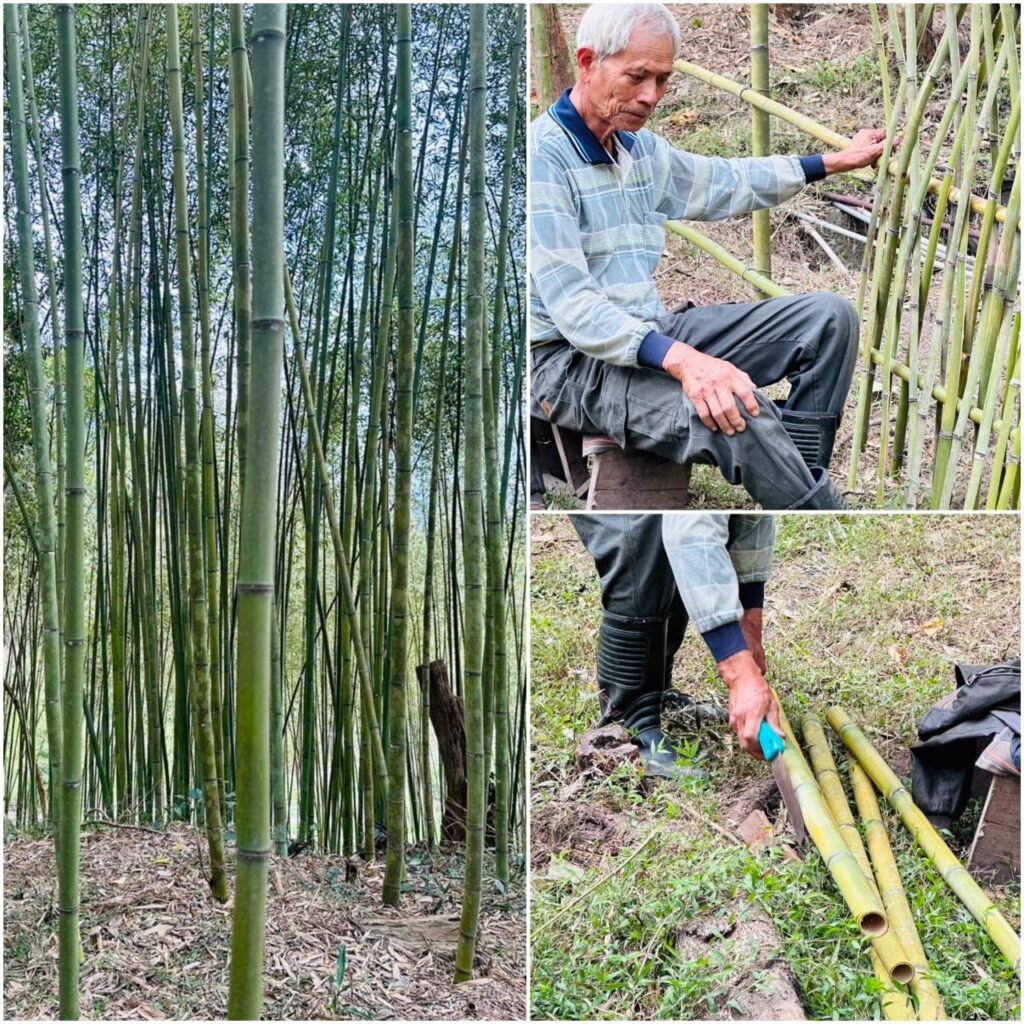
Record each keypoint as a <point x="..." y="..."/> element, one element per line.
<point x="156" y="946"/>
<point x="823" y="65"/>
<point x="631" y="882"/>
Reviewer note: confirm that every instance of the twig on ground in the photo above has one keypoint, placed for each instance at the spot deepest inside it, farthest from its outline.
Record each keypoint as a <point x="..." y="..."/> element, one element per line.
<point x="593" y="888"/>
<point x="121" y="824"/>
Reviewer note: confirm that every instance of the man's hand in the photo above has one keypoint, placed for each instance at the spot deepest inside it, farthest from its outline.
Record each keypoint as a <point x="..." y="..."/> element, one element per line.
<point x="751" y="626"/>
<point x="864" y="149"/>
<point x="711" y="385"/>
<point x="751" y="701"/>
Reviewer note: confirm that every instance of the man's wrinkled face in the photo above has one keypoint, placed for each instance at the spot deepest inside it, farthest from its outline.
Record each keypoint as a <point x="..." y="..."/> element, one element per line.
<point x="622" y="91"/>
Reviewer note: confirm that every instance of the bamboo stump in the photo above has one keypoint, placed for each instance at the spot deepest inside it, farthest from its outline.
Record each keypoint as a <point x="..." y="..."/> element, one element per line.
<point x="632" y="480"/>
<point x="448" y="717"/>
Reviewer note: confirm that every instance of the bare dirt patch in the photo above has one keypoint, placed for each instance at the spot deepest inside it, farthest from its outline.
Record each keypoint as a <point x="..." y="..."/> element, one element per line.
<point x="156" y="946"/>
<point x="579" y="831"/>
<point x="761" y="985"/>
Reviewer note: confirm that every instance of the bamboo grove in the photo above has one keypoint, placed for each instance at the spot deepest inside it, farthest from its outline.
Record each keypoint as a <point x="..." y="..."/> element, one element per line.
<point x="938" y="387"/>
<point x="263" y="461"/>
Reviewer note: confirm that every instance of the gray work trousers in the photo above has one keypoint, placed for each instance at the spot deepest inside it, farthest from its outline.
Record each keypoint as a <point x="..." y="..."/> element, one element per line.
<point x="810" y="340"/>
<point x="636" y="576"/>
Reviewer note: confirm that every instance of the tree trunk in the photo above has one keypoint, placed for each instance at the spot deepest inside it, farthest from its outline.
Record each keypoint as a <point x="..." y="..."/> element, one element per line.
<point x="448" y="718"/>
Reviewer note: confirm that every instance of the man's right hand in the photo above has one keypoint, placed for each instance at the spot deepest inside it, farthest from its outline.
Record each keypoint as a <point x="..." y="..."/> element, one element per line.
<point x="751" y="701"/>
<point x="713" y="385"/>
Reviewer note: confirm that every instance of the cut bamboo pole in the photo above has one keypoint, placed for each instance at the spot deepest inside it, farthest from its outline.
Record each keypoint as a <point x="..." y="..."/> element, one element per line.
<point x="759" y="281"/>
<point x="811" y="127"/>
<point x="893" y="894"/>
<point x="888" y="947"/>
<point x="864" y="904"/>
<point x="953" y="872"/>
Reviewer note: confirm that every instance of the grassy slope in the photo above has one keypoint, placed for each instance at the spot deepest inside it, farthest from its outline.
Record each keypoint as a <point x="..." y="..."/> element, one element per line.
<point x="870" y="612"/>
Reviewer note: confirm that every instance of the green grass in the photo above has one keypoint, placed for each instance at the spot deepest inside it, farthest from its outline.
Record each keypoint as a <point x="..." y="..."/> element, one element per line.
<point x="867" y="611"/>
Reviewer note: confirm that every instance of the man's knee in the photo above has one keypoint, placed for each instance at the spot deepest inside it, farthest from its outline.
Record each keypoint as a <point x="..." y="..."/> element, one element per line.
<point x="839" y="317"/>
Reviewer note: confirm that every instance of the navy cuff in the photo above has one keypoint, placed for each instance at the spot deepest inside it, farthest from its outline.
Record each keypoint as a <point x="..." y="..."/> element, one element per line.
<point x="653" y="349"/>
<point x="814" y="167"/>
<point x="726" y="640"/>
<point x="752" y="594"/>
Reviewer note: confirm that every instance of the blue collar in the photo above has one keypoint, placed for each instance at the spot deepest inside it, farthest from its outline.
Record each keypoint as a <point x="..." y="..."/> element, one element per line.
<point x="567" y="117"/>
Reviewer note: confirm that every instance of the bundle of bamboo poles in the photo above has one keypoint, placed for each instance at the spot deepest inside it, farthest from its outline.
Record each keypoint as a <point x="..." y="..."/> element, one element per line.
<point x="940" y="351"/>
<point x="864" y="869"/>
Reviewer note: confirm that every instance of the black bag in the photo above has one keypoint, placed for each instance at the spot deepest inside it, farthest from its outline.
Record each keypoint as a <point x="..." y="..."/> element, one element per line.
<point x="986" y="701"/>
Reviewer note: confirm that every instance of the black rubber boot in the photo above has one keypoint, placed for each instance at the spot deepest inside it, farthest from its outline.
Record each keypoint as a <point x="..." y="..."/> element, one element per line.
<point x="823" y="495"/>
<point x="813" y="433"/>
<point x="631" y="675"/>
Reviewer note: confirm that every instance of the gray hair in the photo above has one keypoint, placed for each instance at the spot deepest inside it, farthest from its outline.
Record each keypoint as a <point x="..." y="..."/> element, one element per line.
<point x="606" y="28"/>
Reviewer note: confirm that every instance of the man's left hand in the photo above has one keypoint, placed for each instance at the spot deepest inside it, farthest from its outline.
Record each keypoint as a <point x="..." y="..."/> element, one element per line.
<point x="751" y="626"/>
<point x="864" y="149"/>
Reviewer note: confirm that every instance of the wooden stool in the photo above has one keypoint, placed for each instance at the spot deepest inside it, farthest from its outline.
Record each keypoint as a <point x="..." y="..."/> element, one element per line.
<point x="996" y="846"/>
<point x="624" y="481"/>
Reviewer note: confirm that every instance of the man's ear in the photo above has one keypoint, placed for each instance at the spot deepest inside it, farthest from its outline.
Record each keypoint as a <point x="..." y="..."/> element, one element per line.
<point x="586" y="58"/>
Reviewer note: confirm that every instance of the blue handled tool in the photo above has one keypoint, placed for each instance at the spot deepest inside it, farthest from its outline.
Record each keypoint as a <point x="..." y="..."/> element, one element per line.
<point x="772" y="744"/>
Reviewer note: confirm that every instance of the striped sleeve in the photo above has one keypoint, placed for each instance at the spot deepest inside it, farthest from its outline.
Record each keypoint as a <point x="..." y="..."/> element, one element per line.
<point x="692" y="187"/>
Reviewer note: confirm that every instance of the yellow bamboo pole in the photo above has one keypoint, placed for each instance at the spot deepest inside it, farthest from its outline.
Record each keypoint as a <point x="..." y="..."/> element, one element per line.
<point x="888" y="947"/>
<point x="815" y="130"/>
<point x="864" y="904"/>
<point x="929" y="1002"/>
<point x="955" y="875"/>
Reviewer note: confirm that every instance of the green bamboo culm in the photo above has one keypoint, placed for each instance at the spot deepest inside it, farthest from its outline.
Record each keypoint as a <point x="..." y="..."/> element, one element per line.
<point x="74" y="570"/>
<point x="200" y="689"/>
<point x="259" y="515"/>
<point x="37" y="395"/>
<point x="403" y="469"/>
<point x="476" y="810"/>
<point x="241" y="273"/>
<point x="495" y="520"/>
<point x="954" y="874"/>
<point x="209" y="502"/>
<point x="759" y="130"/>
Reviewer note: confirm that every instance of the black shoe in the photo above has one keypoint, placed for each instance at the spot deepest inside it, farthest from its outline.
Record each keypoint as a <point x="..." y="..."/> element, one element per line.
<point x="631" y="676"/>
<point x="813" y="433"/>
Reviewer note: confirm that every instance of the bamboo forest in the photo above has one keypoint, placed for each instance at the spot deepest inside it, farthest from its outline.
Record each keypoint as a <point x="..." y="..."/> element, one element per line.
<point x="264" y="687"/>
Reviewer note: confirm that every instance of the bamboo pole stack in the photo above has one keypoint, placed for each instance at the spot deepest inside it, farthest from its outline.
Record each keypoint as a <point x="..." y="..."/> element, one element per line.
<point x="954" y="874"/>
<point x="864" y="868"/>
<point x="939" y="355"/>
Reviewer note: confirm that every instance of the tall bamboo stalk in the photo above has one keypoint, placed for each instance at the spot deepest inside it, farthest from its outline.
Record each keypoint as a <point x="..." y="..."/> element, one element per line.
<point x="38" y="400"/>
<point x="954" y="874"/>
<point x="196" y="577"/>
<point x="74" y="591"/>
<point x="259" y="512"/>
<point x="403" y="470"/>
<point x="476" y="810"/>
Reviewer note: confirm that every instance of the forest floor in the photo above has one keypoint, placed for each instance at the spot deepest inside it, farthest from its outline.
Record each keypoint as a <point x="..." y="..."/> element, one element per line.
<point x="823" y="65"/>
<point x="646" y="903"/>
<point x="156" y="946"/>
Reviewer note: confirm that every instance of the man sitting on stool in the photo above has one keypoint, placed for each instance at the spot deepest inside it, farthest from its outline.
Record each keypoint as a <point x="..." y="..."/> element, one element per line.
<point x="608" y="359"/>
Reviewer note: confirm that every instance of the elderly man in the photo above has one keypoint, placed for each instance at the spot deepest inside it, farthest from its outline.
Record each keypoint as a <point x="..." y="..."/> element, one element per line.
<point x="658" y="573"/>
<point x="608" y="359"/>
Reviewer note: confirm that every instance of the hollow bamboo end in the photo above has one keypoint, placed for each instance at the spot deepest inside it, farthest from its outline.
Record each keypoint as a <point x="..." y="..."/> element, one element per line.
<point x="903" y="973"/>
<point x="874" y="924"/>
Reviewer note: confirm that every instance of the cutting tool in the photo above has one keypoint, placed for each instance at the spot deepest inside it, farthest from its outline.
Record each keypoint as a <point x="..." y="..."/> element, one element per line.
<point x="772" y="746"/>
